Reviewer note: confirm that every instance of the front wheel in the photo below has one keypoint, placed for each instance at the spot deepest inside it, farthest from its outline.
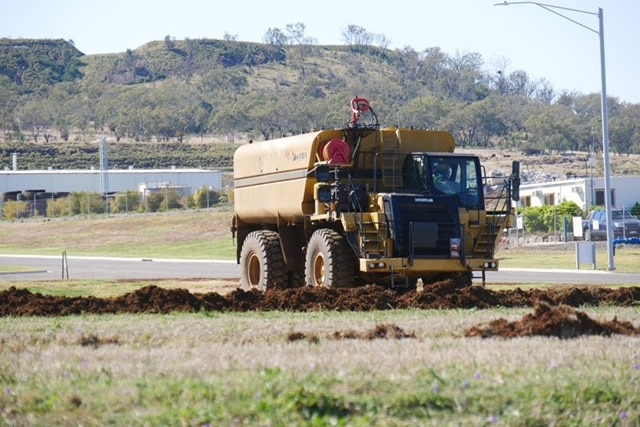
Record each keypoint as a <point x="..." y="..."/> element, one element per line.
<point x="329" y="261"/>
<point x="262" y="264"/>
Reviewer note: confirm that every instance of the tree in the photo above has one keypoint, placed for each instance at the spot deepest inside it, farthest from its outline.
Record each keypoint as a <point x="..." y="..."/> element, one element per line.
<point x="229" y="37"/>
<point x="426" y="112"/>
<point x="296" y="33"/>
<point x="355" y="35"/>
<point x="475" y="124"/>
<point x="36" y="115"/>
<point x="624" y="129"/>
<point x="169" y="43"/>
<point x="275" y="37"/>
<point x="555" y="128"/>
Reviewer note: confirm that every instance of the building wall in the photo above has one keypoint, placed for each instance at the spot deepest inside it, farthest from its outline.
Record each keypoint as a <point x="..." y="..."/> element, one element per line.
<point x="585" y="192"/>
<point x="57" y="181"/>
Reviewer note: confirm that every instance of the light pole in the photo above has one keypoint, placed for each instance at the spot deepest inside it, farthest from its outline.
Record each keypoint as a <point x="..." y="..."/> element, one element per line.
<point x="603" y="110"/>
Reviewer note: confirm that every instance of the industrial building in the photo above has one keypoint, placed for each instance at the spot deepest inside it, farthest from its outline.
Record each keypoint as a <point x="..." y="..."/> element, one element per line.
<point x="37" y="187"/>
<point x="186" y="181"/>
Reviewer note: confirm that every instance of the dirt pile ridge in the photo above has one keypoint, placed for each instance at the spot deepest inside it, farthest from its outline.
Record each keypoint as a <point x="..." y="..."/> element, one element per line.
<point x="553" y="315"/>
<point x="552" y="321"/>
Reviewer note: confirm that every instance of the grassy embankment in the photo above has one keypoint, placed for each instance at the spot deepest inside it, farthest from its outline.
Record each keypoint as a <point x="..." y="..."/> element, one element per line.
<point x="206" y="235"/>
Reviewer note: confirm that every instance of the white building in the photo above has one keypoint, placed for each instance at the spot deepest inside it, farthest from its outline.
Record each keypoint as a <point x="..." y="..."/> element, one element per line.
<point x="586" y="192"/>
<point x="113" y="181"/>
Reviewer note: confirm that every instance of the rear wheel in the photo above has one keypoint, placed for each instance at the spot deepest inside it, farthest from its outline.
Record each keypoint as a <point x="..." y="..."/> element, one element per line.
<point x="261" y="262"/>
<point x="329" y="261"/>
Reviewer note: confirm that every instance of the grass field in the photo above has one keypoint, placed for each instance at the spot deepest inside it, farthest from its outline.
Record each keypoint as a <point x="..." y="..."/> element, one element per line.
<point x="284" y="368"/>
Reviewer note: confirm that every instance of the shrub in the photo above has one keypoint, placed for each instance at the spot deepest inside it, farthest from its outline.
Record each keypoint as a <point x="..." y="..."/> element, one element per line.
<point x="83" y="203"/>
<point x="162" y="201"/>
<point x="58" y="207"/>
<point x="13" y="210"/>
<point x="205" y="197"/>
<point x="126" y="201"/>
<point x="543" y="218"/>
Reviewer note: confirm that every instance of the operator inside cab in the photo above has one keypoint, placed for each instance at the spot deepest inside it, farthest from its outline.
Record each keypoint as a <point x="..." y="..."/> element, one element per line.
<point x="442" y="180"/>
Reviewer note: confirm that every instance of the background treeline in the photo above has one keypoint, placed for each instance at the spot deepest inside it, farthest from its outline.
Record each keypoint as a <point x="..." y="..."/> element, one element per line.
<point x="177" y="96"/>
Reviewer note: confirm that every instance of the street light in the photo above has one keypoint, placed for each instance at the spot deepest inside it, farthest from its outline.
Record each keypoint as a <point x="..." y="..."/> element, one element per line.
<point x="604" y="109"/>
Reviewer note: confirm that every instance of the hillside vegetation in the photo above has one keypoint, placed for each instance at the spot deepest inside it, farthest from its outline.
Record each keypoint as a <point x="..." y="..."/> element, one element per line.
<point x="166" y="101"/>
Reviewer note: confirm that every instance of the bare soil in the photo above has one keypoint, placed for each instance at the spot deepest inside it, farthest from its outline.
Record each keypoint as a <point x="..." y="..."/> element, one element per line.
<point x="554" y="313"/>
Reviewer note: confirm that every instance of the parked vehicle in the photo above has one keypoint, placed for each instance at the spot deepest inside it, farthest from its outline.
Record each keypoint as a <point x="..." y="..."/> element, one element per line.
<point x="594" y="227"/>
<point x="362" y="205"/>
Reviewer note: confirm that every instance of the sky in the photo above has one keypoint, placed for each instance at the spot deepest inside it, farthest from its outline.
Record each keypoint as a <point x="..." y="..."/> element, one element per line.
<point x="516" y="37"/>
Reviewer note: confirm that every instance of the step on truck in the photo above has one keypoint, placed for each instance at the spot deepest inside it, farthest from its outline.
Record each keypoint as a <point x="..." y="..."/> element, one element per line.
<point x="365" y="205"/>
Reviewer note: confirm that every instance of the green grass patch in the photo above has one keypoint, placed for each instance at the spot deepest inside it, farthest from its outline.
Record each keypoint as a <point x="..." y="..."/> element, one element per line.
<point x="240" y="369"/>
<point x="625" y="258"/>
<point x="15" y="269"/>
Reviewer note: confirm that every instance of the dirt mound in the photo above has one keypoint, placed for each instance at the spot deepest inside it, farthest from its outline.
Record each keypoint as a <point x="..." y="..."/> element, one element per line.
<point x="440" y="295"/>
<point x="552" y="321"/>
<point x="381" y="331"/>
<point x="553" y="315"/>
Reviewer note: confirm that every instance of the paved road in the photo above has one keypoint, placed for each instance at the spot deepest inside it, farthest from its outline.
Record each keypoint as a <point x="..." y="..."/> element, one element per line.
<point x="51" y="268"/>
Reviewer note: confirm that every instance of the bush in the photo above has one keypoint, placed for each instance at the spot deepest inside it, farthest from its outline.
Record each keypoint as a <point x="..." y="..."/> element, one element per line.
<point x="543" y="218"/>
<point x="126" y="201"/>
<point x="58" y="207"/>
<point x="162" y="201"/>
<point x="87" y="203"/>
<point x="13" y="210"/>
<point x="205" y="197"/>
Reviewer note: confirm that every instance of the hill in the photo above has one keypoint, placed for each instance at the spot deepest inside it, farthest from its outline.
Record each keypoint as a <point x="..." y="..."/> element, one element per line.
<point x="166" y="101"/>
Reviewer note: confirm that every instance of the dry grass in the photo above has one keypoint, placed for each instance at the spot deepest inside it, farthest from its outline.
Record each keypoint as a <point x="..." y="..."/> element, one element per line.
<point x="134" y="230"/>
<point x="228" y="369"/>
<point x="181" y="344"/>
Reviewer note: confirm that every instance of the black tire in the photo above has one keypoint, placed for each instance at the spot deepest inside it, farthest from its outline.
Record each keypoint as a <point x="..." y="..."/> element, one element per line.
<point x="262" y="264"/>
<point x="329" y="260"/>
<point x="296" y="279"/>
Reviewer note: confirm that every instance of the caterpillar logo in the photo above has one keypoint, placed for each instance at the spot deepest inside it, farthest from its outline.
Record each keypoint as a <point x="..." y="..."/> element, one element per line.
<point x="293" y="157"/>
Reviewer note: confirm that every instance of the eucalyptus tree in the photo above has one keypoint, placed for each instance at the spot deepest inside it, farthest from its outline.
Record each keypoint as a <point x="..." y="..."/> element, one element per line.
<point x="36" y="116"/>
<point x="9" y="95"/>
<point x="555" y="128"/>
<point x="624" y="129"/>
<point x="132" y="106"/>
<point x="231" y="118"/>
<point x="460" y="77"/>
<point x="355" y="35"/>
<point x="297" y="36"/>
<point x="475" y="124"/>
<point x="175" y="109"/>
<point x="276" y="37"/>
